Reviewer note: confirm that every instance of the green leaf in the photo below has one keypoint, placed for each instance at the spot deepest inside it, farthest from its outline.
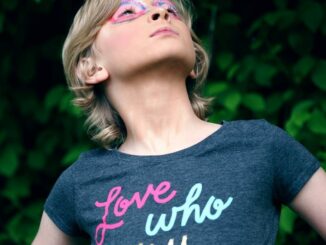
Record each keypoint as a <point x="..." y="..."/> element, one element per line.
<point x="283" y="18"/>
<point x="254" y="102"/>
<point x="274" y="50"/>
<point x="34" y="210"/>
<point x="74" y="110"/>
<point x="317" y="122"/>
<point x="67" y="106"/>
<point x="54" y="97"/>
<point x="65" y="102"/>
<point x="264" y="73"/>
<point x="8" y="161"/>
<point x="20" y="229"/>
<point x="13" y="226"/>
<point x="292" y="128"/>
<point x="274" y="103"/>
<point x="4" y="238"/>
<point x="232" y="71"/>
<point x="248" y="65"/>
<point x="287" y="219"/>
<point x="319" y="75"/>
<point x="207" y="42"/>
<point x="232" y="100"/>
<point x="256" y="43"/>
<point x="303" y="67"/>
<point x="47" y="142"/>
<point x="255" y="26"/>
<point x="214" y="118"/>
<point x="215" y="88"/>
<point x="16" y="188"/>
<point x="224" y="60"/>
<point x="311" y="14"/>
<point x="222" y="114"/>
<point x="288" y="95"/>
<point x="301" y="112"/>
<point x="74" y="153"/>
<point x="321" y="155"/>
<point x="272" y="17"/>
<point x="323" y="104"/>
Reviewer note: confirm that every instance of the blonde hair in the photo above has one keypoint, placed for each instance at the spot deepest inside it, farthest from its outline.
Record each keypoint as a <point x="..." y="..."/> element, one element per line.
<point x="105" y="125"/>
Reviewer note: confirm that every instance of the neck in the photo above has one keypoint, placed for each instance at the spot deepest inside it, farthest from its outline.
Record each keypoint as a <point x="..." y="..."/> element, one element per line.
<point x="156" y="111"/>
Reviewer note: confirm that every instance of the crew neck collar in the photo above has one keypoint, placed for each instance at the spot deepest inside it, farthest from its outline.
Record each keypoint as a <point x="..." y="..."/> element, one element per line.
<point x="185" y="152"/>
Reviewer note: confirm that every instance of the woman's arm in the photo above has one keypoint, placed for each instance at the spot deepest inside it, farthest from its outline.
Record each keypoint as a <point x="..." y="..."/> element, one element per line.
<point x="50" y="234"/>
<point x="310" y="203"/>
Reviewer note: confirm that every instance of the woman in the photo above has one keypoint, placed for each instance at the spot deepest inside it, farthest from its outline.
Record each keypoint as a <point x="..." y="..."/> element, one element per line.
<point x="172" y="177"/>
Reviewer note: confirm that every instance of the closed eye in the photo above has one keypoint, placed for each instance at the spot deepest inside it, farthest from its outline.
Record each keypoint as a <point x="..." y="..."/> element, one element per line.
<point x="128" y="11"/>
<point x="173" y="11"/>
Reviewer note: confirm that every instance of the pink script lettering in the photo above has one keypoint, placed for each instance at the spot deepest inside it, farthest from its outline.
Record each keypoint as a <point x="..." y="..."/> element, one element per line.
<point x="122" y="205"/>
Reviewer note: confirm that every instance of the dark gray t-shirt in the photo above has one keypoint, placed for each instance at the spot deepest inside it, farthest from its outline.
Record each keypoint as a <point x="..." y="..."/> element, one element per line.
<point x="226" y="189"/>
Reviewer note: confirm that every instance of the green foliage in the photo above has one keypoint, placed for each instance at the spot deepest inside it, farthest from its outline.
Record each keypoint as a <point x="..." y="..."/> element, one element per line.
<point x="287" y="219"/>
<point x="267" y="61"/>
<point x="319" y="75"/>
<point x="9" y="161"/>
<point x="278" y="73"/>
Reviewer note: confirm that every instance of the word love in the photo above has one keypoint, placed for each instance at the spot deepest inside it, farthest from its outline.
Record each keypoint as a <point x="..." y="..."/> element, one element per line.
<point x="186" y="210"/>
<point x="122" y="205"/>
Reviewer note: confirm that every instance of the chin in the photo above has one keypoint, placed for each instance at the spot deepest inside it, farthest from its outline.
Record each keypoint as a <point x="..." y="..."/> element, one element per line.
<point x="172" y="52"/>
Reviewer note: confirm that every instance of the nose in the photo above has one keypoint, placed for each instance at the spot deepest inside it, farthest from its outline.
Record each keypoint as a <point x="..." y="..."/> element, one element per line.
<point x="160" y="13"/>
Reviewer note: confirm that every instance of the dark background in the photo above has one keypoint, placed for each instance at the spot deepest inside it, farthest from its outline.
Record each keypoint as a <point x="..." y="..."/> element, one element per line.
<point x="267" y="61"/>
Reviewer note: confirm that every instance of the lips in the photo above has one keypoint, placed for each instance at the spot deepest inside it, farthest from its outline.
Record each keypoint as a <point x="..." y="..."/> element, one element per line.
<point x="164" y="30"/>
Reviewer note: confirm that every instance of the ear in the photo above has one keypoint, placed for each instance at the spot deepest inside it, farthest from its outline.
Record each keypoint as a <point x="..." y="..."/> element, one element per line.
<point x="193" y="74"/>
<point x="91" y="73"/>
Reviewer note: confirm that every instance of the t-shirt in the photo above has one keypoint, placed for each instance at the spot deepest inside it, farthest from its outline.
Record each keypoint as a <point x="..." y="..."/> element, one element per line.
<point x="226" y="189"/>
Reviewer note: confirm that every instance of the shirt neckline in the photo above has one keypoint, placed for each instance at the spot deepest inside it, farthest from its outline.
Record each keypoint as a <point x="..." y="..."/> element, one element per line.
<point x="188" y="151"/>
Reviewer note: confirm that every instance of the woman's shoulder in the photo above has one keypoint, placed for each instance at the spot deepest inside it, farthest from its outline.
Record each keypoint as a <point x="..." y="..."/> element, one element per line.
<point x="92" y="157"/>
<point x="260" y="130"/>
<point x="252" y="126"/>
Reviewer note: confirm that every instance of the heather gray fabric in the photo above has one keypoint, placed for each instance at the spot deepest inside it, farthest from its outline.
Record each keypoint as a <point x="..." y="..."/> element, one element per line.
<point x="226" y="189"/>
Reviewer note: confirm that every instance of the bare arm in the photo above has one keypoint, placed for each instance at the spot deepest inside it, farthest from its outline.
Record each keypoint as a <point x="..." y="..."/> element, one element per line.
<point x="310" y="203"/>
<point x="50" y="234"/>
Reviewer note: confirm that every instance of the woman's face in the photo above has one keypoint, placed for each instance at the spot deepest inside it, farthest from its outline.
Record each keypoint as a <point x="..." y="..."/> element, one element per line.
<point x="142" y="34"/>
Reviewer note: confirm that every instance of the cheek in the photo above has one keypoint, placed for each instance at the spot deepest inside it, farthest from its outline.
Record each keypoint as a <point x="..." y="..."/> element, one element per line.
<point x="115" y="42"/>
<point x="122" y="40"/>
<point x="115" y="45"/>
<point x="189" y="44"/>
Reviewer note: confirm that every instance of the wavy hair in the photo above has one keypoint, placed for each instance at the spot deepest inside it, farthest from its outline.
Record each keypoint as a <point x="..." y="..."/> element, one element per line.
<point x="105" y="125"/>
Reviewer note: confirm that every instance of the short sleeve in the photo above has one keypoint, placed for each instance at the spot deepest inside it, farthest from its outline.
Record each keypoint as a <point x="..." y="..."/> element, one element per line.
<point x="293" y="165"/>
<point x="59" y="205"/>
